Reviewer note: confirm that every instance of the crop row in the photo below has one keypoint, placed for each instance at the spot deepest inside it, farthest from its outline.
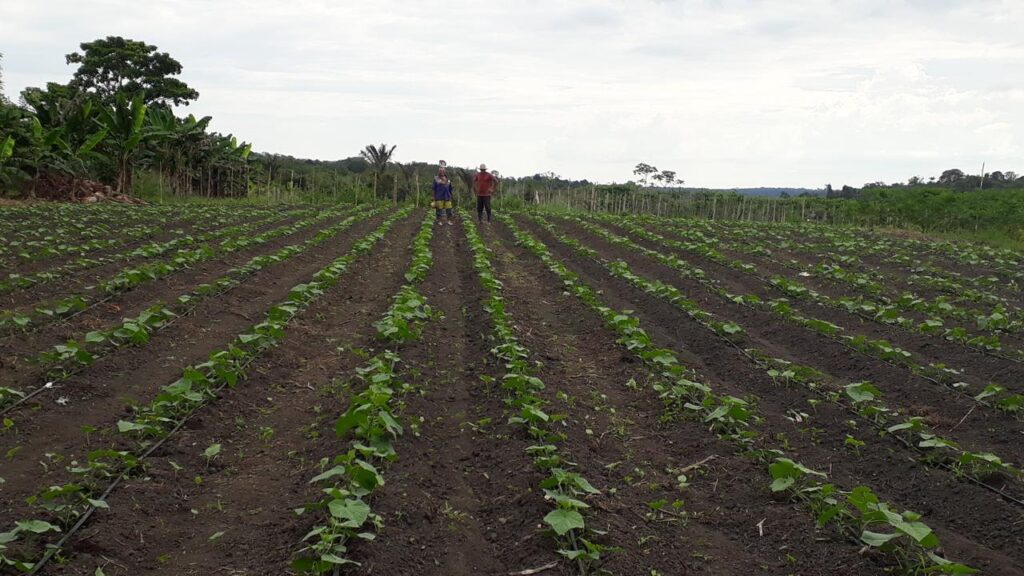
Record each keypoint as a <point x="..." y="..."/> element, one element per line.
<point x="963" y="304"/>
<point x="73" y="356"/>
<point x="132" y="277"/>
<point x="862" y="399"/>
<point x="206" y="233"/>
<point x="851" y="250"/>
<point x="897" y="311"/>
<point x="857" y="513"/>
<point x="70" y="505"/>
<point x="1005" y="263"/>
<point x="564" y="488"/>
<point x="62" y="234"/>
<point x="951" y="378"/>
<point x="344" y="514"/>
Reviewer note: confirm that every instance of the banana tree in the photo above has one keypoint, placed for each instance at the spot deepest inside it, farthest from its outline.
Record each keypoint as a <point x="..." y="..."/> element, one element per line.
<point x="8" y="172"/>
<point x="174" y="155"/>
<point x="125" y="123"/>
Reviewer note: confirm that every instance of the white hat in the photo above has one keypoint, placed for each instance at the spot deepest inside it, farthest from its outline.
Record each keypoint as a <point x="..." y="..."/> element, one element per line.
<point x="483" y="167"/>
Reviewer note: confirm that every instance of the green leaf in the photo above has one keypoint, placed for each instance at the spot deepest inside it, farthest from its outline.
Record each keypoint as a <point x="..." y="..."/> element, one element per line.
<point x="350" y="420"/>
<point x="36" y="526"/>
<point x="352" y="511"/>
<point x="876" y="539"/>
<point x="862" y="392"/>
<point x="126" y="426"/>
<point x="212" y="451"/>
<point x="93" y="141"/>
<point x="7" y="148"/>
<point x="948" y="567"/>
<point x="780" y="484"/>
<point x="338" y="560"/>
<point x="731" y="328"/>
<point x="365" y="475"/>
<point x="562" y="521"/>
<point x="919" y="531"/>
<point x="333" y="472"/>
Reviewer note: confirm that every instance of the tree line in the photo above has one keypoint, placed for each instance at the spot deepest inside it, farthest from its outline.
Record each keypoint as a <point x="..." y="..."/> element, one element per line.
<point x="953" y="179"/>
<point x="113" y="123"/>
<point x="111" y="120"/>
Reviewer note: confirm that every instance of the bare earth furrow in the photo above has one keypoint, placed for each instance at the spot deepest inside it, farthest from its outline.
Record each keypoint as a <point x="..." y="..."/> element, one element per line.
<point x="978" y="529"/>
<point x="461" y="499"/>
<point x="100" y="396"/>
<point x="274" y="428"/>
<point x="18" y="353"/>
<point x="983" y="429"/>
<point x="637" y="461"/>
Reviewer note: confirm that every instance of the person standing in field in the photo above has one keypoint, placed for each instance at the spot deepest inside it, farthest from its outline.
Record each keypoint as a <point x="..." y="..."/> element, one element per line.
<point x="443" y="196"/>
<point x="483" y="187"/>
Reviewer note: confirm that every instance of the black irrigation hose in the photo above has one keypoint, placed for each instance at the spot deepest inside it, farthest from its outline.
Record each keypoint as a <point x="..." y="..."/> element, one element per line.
<point x="111" y="260"/>
<point x="65" y="319"/>
<point x="53" y="549"/>
<point x="50" y="385"/>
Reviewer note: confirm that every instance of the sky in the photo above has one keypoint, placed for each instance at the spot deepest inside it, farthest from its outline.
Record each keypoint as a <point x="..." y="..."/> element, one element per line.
<point x="726" y="93"/>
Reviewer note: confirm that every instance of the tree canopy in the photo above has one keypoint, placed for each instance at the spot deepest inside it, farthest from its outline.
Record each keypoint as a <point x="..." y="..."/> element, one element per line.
<point x="3" y="99"/>
<point x="115" y="65"/>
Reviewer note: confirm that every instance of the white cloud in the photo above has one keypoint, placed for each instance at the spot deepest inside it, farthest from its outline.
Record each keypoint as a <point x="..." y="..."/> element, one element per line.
<point x="727" y="93"/>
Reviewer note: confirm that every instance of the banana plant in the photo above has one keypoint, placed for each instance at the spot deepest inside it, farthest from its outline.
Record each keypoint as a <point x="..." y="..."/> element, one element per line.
<point x="126" y="129"/>
<point x="8" y="172"/>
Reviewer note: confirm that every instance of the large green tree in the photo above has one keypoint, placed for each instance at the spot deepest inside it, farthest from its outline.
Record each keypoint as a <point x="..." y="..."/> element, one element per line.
<point x="116" y="65"/>
<point x="3" y="99"/>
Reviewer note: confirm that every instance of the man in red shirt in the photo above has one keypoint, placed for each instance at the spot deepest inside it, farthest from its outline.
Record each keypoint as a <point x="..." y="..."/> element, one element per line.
<point x="483" y="187"/>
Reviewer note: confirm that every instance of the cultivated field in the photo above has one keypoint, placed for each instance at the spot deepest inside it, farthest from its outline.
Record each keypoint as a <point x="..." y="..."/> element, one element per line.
<point x="228" y="389"/>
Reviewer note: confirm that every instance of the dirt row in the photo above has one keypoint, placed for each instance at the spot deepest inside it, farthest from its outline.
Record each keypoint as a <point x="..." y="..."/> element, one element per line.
<point x="463" y="497"/>
<point x="926" y="254"/>
<point x="165" y="231"/>
<point x="17" y="353"/>
<point x="618" y="444"/>
<point x="454" y="496"/>
<point x="984" y="429"/>
<point x="978" y="368"/>
<point x="102" y="394"/>
<point x="976" y="526"/>
<point x="896" y="275"/>
<point x="84" y="280"/>
<point x="895" y="278"/>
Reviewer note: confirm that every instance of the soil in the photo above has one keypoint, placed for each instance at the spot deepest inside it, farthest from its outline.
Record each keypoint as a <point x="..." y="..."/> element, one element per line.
<point x="103" y="394"/>
<point x="463" y="497"/>
<point x="983" y="530"/>
<point x="18" y="352"/>
<point x="618" y="444"/>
